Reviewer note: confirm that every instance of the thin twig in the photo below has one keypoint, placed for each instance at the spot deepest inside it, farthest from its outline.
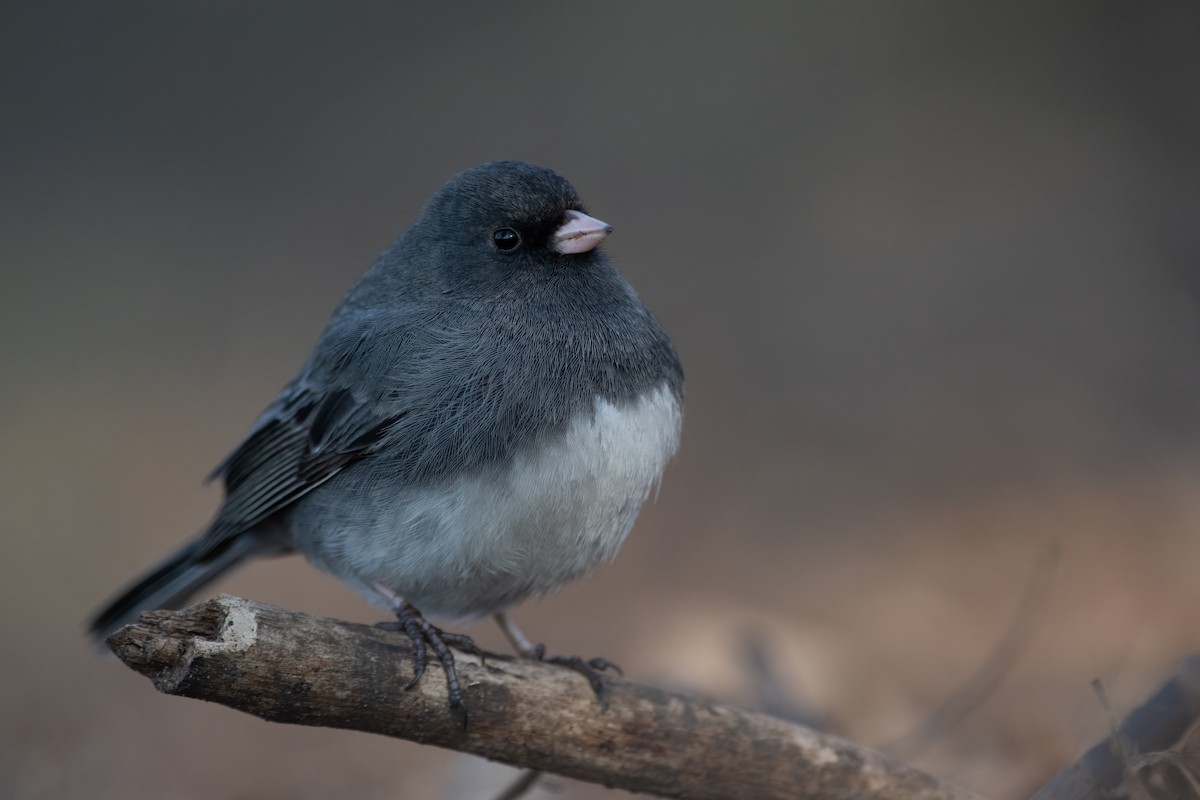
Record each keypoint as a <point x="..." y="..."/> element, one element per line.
<point x="988" y="677"/>
<point x="518" y="788"/>
<point x="1153" y="727"/>
<point x="1119" y="744"/>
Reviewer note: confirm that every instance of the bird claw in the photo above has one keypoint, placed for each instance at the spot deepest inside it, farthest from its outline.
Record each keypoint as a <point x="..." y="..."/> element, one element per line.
<point x="465" y="644"/>
<point x="604" y="665"/>
<point x="423" y="635"/>
<point x="589" y="669"/>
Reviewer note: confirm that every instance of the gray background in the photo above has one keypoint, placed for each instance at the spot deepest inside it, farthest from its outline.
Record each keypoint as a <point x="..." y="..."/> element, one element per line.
<point x="931" y="268"/>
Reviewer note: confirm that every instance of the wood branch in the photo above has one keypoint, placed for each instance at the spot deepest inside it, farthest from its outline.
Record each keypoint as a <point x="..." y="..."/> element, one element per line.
<point x="284" y="666"/>
<point x="1153" y="727"/>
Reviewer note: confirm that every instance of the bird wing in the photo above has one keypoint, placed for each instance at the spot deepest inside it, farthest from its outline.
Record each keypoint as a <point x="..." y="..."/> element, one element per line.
<point x="315" y="428"/>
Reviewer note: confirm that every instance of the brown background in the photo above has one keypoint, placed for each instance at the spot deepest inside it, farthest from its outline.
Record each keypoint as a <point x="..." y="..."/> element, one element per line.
<point x="931" y="268"/>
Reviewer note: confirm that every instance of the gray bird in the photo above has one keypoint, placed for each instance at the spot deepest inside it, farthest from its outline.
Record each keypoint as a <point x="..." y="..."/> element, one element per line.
<point x="480" y="422"/>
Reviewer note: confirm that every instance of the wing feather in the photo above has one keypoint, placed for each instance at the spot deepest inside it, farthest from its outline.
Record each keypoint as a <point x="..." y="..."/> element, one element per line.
<point x="306" y="437"/>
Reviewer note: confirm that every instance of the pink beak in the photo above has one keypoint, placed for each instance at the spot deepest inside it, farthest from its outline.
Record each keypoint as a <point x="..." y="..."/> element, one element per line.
<point x="580" y="233"/>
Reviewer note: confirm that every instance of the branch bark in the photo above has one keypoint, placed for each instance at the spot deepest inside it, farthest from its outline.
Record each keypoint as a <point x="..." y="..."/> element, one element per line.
<point x="284" y="666"/>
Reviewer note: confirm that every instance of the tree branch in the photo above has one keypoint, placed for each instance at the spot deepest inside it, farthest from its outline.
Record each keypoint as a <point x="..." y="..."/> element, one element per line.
<point x="1153" y="727"/>
<point x="284" y="666"/>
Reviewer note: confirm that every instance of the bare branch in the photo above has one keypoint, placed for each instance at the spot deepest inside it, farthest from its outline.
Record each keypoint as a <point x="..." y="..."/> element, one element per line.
<point x="289" y="667"/>
<point x="1155" y="726"/>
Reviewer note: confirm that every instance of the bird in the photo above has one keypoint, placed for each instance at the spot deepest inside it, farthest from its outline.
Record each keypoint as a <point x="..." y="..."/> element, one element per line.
<point x="480" y="422"/>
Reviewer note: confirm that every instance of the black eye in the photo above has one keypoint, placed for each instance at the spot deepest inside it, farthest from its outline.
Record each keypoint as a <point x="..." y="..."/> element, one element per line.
<point x="506" y="239"/>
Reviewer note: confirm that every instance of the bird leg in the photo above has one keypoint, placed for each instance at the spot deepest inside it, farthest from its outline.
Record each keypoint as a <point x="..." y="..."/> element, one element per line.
<point x="422" y="632"/>
<point x="515" y="637"/>
<point x="589" y="669"/>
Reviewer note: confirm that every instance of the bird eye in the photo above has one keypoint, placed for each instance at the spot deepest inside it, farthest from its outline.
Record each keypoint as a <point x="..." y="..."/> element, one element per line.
<point x="506" y="239"/>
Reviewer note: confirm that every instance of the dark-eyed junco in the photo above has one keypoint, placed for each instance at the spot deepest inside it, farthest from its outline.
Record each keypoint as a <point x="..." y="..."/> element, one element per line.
<point x="479" y="423"/>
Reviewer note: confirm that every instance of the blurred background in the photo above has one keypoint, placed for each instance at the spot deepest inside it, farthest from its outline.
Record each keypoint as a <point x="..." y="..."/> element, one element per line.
<point x="932" y="269"/>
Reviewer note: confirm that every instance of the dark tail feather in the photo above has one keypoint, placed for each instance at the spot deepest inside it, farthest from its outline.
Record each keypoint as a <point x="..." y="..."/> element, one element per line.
<point x="170" y="583"/>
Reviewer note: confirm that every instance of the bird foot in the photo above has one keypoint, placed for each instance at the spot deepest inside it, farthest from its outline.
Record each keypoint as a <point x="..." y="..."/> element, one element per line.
<point x="423" y="634"/>
<point x="589" y="669"/>
<point x="459" y="641"/>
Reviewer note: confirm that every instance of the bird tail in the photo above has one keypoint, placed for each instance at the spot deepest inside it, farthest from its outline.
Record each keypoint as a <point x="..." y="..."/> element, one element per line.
<point x="172" y="582"/>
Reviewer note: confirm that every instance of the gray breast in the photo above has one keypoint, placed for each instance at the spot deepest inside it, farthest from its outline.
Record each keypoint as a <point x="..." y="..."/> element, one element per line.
<point x="479" y="543"/>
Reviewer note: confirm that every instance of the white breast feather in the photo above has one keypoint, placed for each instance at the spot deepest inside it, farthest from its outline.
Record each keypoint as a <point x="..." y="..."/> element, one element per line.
<point x="478" y="545"/>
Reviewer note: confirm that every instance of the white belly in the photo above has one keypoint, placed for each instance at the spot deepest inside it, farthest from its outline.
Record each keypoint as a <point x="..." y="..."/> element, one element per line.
<point x="478" y="545"/>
